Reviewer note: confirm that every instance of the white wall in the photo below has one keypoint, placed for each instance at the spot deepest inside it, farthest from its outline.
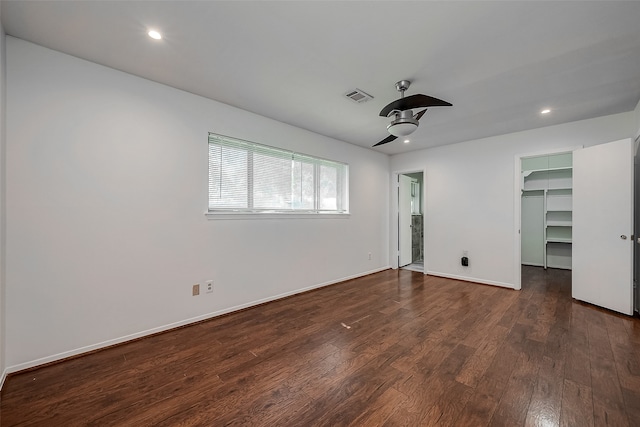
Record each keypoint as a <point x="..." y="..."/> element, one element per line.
<point x="470" y="194"/>
<point x="2" y="202"/>
<point x="106" y="194"/>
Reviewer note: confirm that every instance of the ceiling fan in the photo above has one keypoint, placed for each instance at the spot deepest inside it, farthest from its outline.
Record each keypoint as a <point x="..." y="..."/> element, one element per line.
<point x="404" y="121"/>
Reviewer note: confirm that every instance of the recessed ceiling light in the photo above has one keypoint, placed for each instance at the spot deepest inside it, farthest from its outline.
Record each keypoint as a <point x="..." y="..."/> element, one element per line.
<point x="545" y="111"/>
<point x="154" y="34"/>
<point x="406" y="141"/>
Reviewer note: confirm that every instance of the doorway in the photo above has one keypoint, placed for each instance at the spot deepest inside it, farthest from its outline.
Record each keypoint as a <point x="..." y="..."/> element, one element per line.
<point x="544" y="204"/>
<point x="411" y="221"/>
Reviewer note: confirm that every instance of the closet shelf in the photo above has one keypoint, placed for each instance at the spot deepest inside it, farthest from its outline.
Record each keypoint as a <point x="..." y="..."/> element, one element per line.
<point x="558" y="240"/>
<point x="547" y="195"/>
<point x="525" y="174"/>
<point x="558" y="223"/>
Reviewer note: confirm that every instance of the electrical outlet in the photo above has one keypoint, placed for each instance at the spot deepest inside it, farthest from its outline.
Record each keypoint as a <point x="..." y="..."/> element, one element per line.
<point x="209" y="284"/>
<point x="369" y="256"/>
<point x="195" y="290"/>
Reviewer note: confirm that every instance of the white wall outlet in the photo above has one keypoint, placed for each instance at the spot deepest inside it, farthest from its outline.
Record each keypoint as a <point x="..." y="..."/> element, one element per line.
<point x="369" y="256"/>
<point x="209" y="286"/>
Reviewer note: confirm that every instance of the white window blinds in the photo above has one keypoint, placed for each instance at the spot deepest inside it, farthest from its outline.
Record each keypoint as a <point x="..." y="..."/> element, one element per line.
<point x="249" y="177"/>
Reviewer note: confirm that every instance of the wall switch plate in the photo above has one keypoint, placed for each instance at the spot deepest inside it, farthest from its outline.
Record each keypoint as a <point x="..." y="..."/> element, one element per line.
<point x="209" y="286"/>
<point x="195" y="290"/>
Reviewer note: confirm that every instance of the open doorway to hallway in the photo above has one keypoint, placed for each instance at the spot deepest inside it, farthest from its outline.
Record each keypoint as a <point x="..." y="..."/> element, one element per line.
<point x="411" y="221"/>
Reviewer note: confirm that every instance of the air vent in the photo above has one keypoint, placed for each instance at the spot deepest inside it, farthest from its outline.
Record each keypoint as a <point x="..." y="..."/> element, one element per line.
<point x="358" y="96"/>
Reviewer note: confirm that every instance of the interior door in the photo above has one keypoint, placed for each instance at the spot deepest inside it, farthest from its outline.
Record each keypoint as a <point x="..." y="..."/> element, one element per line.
<point x="636" y="227"/>
<point x="404" y="220"/>
<point x="602" y="272"/>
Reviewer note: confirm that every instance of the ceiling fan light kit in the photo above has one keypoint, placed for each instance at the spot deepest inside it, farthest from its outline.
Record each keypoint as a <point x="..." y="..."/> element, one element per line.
<point x="404" y="124"/>
<point x="404" y="121"/>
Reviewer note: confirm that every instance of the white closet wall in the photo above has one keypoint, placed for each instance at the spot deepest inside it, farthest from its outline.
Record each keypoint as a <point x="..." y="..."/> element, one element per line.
<point x="547" y="210"/>
<point x="532" y="227"/>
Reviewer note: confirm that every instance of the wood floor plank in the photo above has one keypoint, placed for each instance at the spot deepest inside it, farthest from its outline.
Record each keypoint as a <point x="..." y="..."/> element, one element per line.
<point x="392" y="348"/>
<point x="632" y="405"/>
<point x="546" y="402"/>
<point x="432" y="400"/>
<point x="346" y="400"/>
<point x="625" y="353"/>
<point x="482" y="403"/>
<point x="502" y="364"/>
<point x="608" y="401"/>
<point x="577" y="405"/>
<point x="578" y="364"/>
<point x="478" y="363"/>
<point x="545" y="317"/>
<point x="512" y="409"/>
<point x="495" y="310"/>
<point x="557" y="343"/>
<point x="381" y="409"/>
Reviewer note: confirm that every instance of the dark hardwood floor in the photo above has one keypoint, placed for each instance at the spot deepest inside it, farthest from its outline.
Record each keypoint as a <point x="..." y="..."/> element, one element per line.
<point x="393" y="348"/>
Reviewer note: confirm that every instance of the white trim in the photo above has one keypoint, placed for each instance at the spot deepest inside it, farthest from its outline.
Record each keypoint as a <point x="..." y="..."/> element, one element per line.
<point x="3" y="377"/>
<point x="416" y="269"/>
<point x="56" y="357"/>
<point x="517" y="218"/>
<point x="533" y="264"/>
<point x="275" y="215"/>
<point x="550" y="151"/>
<point x="472" y="279"/>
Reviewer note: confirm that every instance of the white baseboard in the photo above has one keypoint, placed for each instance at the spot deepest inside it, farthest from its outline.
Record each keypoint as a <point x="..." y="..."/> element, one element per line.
<point x="3" y="377"/>
<point x="471" y="279"/>
<point x="55" y="357"/>
<point x="533" y="264"/>
<point x="559" y="266"/>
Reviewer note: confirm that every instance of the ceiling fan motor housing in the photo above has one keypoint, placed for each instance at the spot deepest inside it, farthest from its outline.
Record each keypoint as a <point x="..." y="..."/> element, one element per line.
<point x="403" y="124"/>
<point x="403" y="85"/>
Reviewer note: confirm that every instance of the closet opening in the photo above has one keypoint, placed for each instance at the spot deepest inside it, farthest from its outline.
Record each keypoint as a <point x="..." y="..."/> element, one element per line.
<point x="546" y="213"/>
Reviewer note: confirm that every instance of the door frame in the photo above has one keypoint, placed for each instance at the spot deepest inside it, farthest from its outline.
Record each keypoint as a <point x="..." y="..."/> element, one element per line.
<point x="517" y="205"/>
<point x="395" y="214"/>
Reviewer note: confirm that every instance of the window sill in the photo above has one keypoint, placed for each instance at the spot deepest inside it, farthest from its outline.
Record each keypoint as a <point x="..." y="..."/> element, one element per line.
<point x="275" y="215"/>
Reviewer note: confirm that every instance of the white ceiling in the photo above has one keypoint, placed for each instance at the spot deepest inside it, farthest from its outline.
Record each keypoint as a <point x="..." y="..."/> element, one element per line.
<point x="498" y="63"/>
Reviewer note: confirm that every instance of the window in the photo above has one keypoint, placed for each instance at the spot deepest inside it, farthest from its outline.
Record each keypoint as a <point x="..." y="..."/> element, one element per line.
<point x="245" y="177"/>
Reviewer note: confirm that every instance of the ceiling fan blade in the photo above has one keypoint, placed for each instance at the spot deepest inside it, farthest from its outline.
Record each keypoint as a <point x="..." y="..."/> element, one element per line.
<point x="420" y="114"/>
<point x="414" y="101"/>
<point x="386" y="140"/>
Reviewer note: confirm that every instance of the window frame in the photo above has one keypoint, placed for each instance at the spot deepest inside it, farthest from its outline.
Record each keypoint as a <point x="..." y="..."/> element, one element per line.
<point x="252" y="148"/>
